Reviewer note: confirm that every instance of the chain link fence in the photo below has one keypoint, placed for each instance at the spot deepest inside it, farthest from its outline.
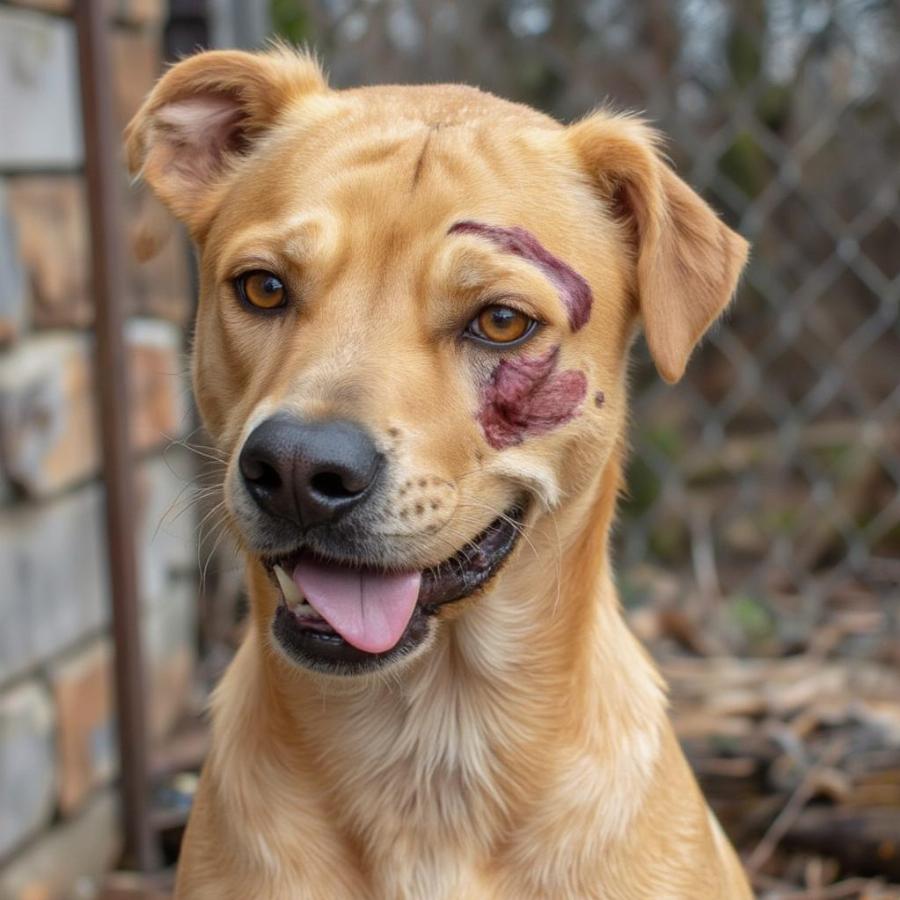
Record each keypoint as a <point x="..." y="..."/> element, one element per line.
<point x="765" y="488"/>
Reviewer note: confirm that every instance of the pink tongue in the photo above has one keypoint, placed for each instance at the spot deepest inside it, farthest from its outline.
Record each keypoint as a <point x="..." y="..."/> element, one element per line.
<point x="368" y="610"/>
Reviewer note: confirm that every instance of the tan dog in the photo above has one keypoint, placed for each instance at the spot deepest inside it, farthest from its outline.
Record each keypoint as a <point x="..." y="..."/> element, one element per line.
<point x="415" y="317"/>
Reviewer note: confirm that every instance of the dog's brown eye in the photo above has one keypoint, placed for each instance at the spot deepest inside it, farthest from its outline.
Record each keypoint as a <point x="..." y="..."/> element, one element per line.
<point x="261" y="289"/>
<point x="501" y="325"/>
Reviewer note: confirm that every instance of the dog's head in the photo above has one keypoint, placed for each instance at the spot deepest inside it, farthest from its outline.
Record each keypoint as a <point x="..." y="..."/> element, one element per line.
<point x="415" y="313"/>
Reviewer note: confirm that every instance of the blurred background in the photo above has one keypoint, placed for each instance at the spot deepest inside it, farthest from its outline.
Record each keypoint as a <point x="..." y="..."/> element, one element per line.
<point x="759" y="545"/>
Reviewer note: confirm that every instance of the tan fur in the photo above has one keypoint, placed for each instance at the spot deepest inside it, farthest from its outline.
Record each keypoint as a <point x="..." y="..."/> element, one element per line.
<point x="526" y="751"/>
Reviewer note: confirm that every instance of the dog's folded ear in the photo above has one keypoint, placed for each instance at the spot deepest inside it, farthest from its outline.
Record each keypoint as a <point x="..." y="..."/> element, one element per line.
<point x="205" y="113"/>
<point x="687" y="261"/>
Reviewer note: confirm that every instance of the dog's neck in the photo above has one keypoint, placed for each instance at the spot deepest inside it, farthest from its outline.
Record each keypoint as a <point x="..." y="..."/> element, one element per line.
<point x="540" y="668"/>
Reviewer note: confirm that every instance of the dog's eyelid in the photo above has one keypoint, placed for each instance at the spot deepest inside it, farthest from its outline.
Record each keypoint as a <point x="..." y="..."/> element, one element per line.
<point x="278" y="260"/>
<point x="247" y="264"/>
<point x="518" y="302"/>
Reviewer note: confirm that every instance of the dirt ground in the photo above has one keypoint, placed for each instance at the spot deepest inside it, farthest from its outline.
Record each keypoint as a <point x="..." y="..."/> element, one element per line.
<point x="796" y="747"/>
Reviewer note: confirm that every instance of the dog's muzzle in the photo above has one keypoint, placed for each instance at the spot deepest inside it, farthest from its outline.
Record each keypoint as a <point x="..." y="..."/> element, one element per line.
<point x="346" y="604"/>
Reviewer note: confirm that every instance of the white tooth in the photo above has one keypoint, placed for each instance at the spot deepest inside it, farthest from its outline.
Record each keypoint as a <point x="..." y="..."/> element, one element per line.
<point x="291" y="594"/>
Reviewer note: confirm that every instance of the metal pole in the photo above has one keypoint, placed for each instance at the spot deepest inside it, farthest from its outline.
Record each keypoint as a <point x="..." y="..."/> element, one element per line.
<point x="103" y="170"/>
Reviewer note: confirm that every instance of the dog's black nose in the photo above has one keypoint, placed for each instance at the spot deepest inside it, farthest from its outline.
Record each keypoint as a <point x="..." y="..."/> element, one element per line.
<point x="308" y="472"/>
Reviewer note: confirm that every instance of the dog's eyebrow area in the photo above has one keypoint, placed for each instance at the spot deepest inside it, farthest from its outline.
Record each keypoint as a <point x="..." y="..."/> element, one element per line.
<point x="573" y="289"/>
<point x="296" y="239"/>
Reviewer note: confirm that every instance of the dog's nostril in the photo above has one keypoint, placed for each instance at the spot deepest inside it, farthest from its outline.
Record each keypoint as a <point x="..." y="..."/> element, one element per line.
<point x="331" y="485"/>
<point x="261" y="474"/>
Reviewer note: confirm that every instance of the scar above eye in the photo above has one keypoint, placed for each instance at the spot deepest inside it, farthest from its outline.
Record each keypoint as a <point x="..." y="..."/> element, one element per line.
<point x="573" y="289"/>
<point x="526" y="395"/>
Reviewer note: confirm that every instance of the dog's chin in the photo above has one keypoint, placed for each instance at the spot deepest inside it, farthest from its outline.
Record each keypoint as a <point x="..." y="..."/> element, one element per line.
<point x="306" y="639"/>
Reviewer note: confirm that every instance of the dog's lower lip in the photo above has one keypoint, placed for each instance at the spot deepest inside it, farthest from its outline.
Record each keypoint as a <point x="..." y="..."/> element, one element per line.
<point x="472" y="566"/>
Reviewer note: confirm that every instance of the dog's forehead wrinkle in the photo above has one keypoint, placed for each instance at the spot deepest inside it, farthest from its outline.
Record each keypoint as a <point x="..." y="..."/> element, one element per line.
<point x="420" y="162"/>
<point x="464" y="155"/>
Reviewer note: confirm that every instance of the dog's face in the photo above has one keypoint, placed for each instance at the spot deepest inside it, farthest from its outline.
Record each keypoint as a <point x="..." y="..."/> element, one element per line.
<point x="415" y="313"/>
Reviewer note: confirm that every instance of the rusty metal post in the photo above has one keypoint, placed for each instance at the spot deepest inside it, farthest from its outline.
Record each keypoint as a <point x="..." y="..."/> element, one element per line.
<point x="102" y="163"/>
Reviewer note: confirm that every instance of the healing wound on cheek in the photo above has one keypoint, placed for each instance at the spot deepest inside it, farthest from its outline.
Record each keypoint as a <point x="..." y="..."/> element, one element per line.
<point x="528" y="396"/>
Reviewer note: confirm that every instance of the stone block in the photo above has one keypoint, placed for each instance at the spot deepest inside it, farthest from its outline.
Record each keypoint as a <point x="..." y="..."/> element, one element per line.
<point x="161" y="282"/>
<point x="54" y="589"/>
<point x="170" y="637"/>
<point x="54" y="6"/>
<point x="26" y="763"/>
<point x="136" y="61"/>
<point x="38" y="92"/>
<point x="169" y="572"/>
<point x="159" y="383"/>
<point x="55" y="592"/>
<point x="48" y="435"/>
<point x="49" y="214"/>
<point x="85" y="730"/>
<point x="48" y="412"/>
<point x="13" y="285"/>
<point x="53" y="553"/>
<point x="68" y="859"/>
<point x="166" y="522"/>
<point x="133" y="12"/>
<point x="141" y="12"/>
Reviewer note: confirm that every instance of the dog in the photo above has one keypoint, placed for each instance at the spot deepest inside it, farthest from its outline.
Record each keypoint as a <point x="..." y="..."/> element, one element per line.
<point x="416" y="311"/>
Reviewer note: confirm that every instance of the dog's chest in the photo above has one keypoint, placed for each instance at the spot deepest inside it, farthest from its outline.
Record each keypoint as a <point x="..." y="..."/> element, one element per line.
<point x="429" y="809"/>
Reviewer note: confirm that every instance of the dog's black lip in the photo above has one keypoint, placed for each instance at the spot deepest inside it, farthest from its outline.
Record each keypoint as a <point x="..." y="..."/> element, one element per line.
<point x="471" y="567"/>
<point x="457" y="577"/>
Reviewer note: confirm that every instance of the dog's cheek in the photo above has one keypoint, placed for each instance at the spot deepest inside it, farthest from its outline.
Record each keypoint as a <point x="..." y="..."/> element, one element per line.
<point x="527" y="396"/>
<point x="220" y="374"/>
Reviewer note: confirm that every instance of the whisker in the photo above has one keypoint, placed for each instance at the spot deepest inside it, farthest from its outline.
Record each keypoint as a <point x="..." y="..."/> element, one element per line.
<point x="222" y="532"/>
<point x="517" y="526"/>
<point x="213" y="511"/>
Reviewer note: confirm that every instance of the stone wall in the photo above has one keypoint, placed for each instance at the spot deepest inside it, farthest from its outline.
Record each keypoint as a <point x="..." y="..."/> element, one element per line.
<point x="57" y="731"/>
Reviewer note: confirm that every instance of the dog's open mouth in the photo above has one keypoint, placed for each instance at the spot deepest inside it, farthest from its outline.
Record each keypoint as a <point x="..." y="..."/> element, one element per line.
<point x="344" y="617"/>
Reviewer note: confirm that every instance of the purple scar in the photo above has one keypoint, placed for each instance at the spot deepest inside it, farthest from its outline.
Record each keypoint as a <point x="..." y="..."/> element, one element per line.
<point x="574" y="291"/>
<point x="527" y="396"/>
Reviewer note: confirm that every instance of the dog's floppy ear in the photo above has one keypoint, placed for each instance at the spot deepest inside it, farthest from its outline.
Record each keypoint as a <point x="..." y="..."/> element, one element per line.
<point x="688" y="262"/>
<point x="204" y="113"/>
